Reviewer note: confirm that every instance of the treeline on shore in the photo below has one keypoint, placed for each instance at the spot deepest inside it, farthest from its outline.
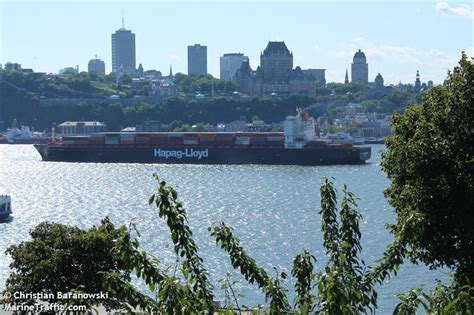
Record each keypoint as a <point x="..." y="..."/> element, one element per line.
<point x="24" y="98"/>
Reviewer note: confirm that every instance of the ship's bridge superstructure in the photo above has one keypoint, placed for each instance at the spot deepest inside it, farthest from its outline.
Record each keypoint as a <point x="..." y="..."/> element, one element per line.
<point x="299" y="130"/>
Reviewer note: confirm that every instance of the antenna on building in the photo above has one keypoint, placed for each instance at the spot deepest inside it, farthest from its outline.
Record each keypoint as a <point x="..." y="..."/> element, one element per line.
<point x="123" y="21"/>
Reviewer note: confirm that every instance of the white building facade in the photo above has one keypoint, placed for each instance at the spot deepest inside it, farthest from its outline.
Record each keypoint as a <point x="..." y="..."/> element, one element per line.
<point x="230" y="63"/>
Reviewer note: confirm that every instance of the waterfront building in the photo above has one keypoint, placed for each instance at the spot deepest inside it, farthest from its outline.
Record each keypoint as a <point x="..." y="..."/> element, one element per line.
<point x="244" y="77"/>
<point x="197" y="60"/>
<point x="123" y="51"/>
<point x="378" y="89"/>
<point x="301" y="83"/>
<point x="96" y="65"/>
<point x="378" y="82"/>
<point x="230" y="63"/>
<point x="276" y="77"/>
<point x="276" y="62"/>
<point x="80" y="127"/>
<point x="318" y="75"/>
<point x="140" y="70"/>
<point x="359" y="68"/>
<point x="164" y="86"/>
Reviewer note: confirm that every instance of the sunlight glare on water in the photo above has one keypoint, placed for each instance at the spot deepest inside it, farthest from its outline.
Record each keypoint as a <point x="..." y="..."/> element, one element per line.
<point x="274" y="209"/>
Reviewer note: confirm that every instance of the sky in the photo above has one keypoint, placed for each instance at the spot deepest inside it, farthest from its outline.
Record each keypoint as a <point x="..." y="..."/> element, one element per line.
<point x="398" y="38"/>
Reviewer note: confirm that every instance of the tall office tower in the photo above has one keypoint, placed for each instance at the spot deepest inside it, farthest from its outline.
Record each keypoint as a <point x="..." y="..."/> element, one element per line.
<point x="96" y="65"/>
<point x="197" y="60"/>
<point x="230" y="63"/>
<point x="123" y="51"/>
<point x="360" y="68"/>
<point x="276" y="62"/>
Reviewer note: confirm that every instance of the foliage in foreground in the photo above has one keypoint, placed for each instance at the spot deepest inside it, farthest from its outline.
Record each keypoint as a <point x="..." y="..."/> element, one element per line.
<point x="103" y="258"/>
<point x="60" y="258"/>
<point x="452" y="299"/>
<point x="430" y="164"/>
<point x="344" y="286"/>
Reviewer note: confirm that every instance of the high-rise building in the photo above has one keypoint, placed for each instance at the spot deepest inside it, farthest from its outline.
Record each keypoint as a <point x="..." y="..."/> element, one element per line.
<point x="360" y="68"/>
<point x="123" y="51"/>
<point x="230" y="63"/>
<point x="96" y="65"/>
<point x="197" y="60"/>
<point x="276" y="62"/>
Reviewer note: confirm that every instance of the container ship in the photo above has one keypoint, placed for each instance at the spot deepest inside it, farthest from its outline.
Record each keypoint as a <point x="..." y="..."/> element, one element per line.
<point x="297" y="145"/>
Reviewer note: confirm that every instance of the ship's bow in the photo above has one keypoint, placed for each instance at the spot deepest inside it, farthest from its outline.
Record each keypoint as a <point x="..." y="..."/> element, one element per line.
<point x="364" y="154"/>
<point x="43" y="151"/>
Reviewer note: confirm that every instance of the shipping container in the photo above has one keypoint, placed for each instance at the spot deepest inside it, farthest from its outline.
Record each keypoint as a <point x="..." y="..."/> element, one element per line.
<point x="275" y="138"/>
<point x="237" y="145"/>
<point x="175" y="135"/>
<point x="206" y="143"/>
<point x="161" y="140"/>
<point x="112" y="141"/>
<point x="190" y="141"/>
<point x="158" y="135"/>
<point x="81" y="141"/>
<point x="127" y="136"/>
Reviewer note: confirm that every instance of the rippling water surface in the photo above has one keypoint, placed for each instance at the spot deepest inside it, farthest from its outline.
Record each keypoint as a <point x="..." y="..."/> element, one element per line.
<point x="274" y="209"/>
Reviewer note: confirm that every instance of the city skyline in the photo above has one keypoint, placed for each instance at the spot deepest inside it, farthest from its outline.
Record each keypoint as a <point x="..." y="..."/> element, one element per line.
<point x="410" y="42"/>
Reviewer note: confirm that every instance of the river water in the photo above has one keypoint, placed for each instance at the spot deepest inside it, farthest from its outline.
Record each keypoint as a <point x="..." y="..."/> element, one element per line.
<point x="274" y="210"/>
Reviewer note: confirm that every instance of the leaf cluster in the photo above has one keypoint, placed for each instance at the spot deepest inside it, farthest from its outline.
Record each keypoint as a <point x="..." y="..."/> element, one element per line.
<point x="430" y="164"/>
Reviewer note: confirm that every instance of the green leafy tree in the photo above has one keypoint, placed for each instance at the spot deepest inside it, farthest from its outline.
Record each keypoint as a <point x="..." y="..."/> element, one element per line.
<point x="59" y="258"/>
<point x="452" y="299"/>
<point x="344" y="286"/>
<point x="430" y="163"/>
<point x="166" y="199"/>
<point x="272" y="288"/>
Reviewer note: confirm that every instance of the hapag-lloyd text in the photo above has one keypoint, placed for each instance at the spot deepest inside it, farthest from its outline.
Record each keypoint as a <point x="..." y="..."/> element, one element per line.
<point x="179" y="154"/>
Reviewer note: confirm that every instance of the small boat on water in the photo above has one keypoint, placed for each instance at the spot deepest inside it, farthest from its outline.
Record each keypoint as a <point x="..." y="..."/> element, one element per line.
<point x="5" y="208"/>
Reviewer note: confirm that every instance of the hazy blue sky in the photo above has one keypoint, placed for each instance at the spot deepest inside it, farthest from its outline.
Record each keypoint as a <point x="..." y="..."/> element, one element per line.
<point x="397" y="37"/>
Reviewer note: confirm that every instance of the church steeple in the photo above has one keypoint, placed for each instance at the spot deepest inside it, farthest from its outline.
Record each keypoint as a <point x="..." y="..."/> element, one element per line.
<point x="346" y="80"/>
<point x="417" y="81"/>
<point x="171" y="71"/>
